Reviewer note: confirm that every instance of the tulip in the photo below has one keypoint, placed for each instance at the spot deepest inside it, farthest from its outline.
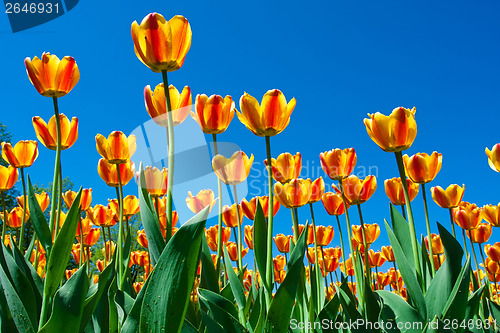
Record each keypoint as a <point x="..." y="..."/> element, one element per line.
<point x="109" y="174"/>
<point x="8" y="177"/>
<point x="85" y="198"/>
<point x="491" y="214"/>
<point x="324" y="235"/>
<point x="333" y="203"/>
<point x="282" y="243"/>
<point x="42" y="200"/>
<point x="155" y="181"/>
<point x="233" y="170"/>
<point x="449" y="198"/>
<point x="22" y="155"/>
<point x="347" y="267"/>
<point x="310" y="233"/>
<point x="212" y="236"/>
<point x="358" y="191"/>
<point x="91" y="238"/>
<point x="52" y="77"/>
<point x="295" y="193"/>
<point x="335" y="252"/>
<point x="269" y="118"/>
<point x="388" y="254"/>
<point x="437" y="244"/>
<point x="393" y="133"/>
<point x="481" y="234"/>
<point x="422" y="168"/>
<point x="317" y="190"/>
<point x="230" y="215"/>
<point x="14" y="218"/>
<point x="117" y="148"/>
<point x="162" y="45"/>
<point x="214" y="113"/>
<point x="130" y="206"/>
<point x="140" y="258"/>
<point x="279" y="263"/>
<point x="286" y="167"/>
<point x="249" y="236"/>
<point x="157" y="108"/>
<point x="311" y="254"/>
<point x="383" y="279"/>
<point x="83" y="227"/>
<point x="394" y="190"/>
<point x="101" y="216"/>
<point x="331" y="261"/>
<point x="494" y="157"/>
<point x="249" y="207"/>
<point x="372" y="231"/>
<point x="493" y="251"/>
<point x="201" y="200"/>
<point x="338" y="163"/>
<point x="232" y="250"/>
<point x="77" y="254"/>
<point x="47" y="134"/>
<point x="467" y="215"/>
<point x="142" y="239"/>
<point x="376" y="259"/>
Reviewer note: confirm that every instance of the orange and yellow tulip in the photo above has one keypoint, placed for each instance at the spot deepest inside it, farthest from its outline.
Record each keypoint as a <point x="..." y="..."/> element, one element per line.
<point x="232" y="250"/>
<point x="282" y="243"/>
<point x="449" y="198"/>
<point x="230" y="215"/>
<point x="130" y="206"/>
<point x="8" y="177"/>
<point x="109" y="174"/>
<point x="214" y="113"/>
<point x="317" y="190"/>
<point x="395" y="132"/>
<point x="437" y="244"/>
<point x="142" y="239"/>
<point x="269" y="118"/>
<point x="333" y="203"/>
<point x="467" y="215"/>
<point x="22" y="155"/>
<point x="233" y="170"/>
<point x="47" y="134"/>
<point x="394" y="190"/>
<point x="203" y="199"/>
<point x="295" y="193"/>
<point x="249" y="207"/>
<point x="310" y="233"/>
<point x="358" y="191"/>
<point x="494" y="157"/>
<point x="376" y="259"/>
<point x="347" y="267"/>
<point x="160" y="44"/>
<point x="324" y="235"/>
<point x="117" y="148"/>
<point x="85" y="198"/>
<point x="338" y="163"/>
<point x="42" y="199"/>
<point x="52" y="77"/>
<point x="156" y="105"/>
<point x="101" y="216"/>
<point x="491" y="213"/>
<point x="372" y="231"/>
<point x="91" y="238"/>
<point x="155" y="181"/>
<point x="493" y="251"/>
<point x="481" y="234"/>
<point x="83" y="227"/>
<point x="388" y="254"/>
<point x="140" y="258"/>
<point x="249" y="236"/>
<point x="279" y="263"/>
<point x="14" y="218"/>
<point x="422" y="168"/>
<point x="286" y="167"/>
<point x="212" y="235"/>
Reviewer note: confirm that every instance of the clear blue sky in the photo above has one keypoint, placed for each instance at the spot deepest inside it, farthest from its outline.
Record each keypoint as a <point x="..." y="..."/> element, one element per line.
<point x="339" y="60"/>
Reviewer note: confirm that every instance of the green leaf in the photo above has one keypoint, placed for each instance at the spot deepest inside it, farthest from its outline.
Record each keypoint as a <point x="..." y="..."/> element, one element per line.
<point x="329" y="312"/>
<point x="150" y="221"/>
<point x="124" y="303"/>
<point x="59" y="257"/>
<point x="348" y="306"/>
<point x="209" y="279"/>
<point x="407" y="273"/>
<point x="473" y="304"/>
<point x="456" y="305"/>
<point x="188" y="328"/>
<point x="236" y="287"/>
<point x="131" y="324"/>
<point x="68" y="304"/>
<point x="219" y="314"/>
<point x="453" y="252"/>
<point x="32" y="276"/>
<point x="223" y="303"/>
<point x="260" y="243"/>
<point x="113" y="311"/>
<point x="125" y="261"/>
<point x="280" y="310"/>
<point x="6" y="321"/>
<point x="211" y="324"/>
<point x="404" y="313"/>
<point x="402" y="233"/>
<point x="38" y="218"/>
<point x="163" y="309"/>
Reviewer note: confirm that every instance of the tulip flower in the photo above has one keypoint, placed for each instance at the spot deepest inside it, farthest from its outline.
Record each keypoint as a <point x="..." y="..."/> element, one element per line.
<point x="347" y="267"/>
<point x="8" y="177"/>
<point x="493" y="251"/>
<point x="85" y="198"/>
<point x="232" y="250"/>
<point x="155" y="181"/>
<point x="22" y="155"/>
<point x="212" y="236"/>
<point x="394" y="190"/>
<point x="282" y="243"/>
<point x="324" y="235"/>
<point x="156" y="106"/>
<point x="101" y="216"/>
<point x="91" y="238"/>
<point x="393" y="133"/>
<point x="214" y="113"/>
<point x="449" y="198"/>
<point x="333" y="203"/>
<point x="41" y="198"/>
<point x="249" y="236"/>
<point x="52" y="77"/>
<point x="109" y="174"/>
<point x="47" y="133"/>
<point x="233" y="170"/>
<point x="117" y="148"/>
<point x="130" y="206"/>
<point x="467" y="215"/>
<point x="249" y="207"/>
<point x="481" y="234"/>
<point x="311" y="254"/>
<point x="376" y="259"/>
<point x="140" y="258"/>
<point x="338" y="163"/>
<point x="160" y="44"/>
<point x="422" y="168"/>
<point x="491" y="214"/>
<point x="286" y="167"/>
<point x="388" y="254"/>
<point x="230" y="215"/>
<point x="14" y="218"/>
<point x="437" y="244"/>
<point x="358" y="191"/>
<point x="279" y="263"/>
<point x="494" y="157"/>
<point x="142" y="239"/>
<point x="372" y="231"/>
<point x="269" y="118"/>
<point x="383" y="279"/>
<point x="201" y="200"/>
<point x="295" y="193"/>
<point x="317" y="190"/>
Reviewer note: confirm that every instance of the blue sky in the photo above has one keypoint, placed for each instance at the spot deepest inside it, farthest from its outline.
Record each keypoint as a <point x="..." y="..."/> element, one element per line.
<point x="339" y="60"/>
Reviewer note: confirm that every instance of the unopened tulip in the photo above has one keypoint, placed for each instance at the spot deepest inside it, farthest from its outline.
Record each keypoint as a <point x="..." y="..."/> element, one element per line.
<point x="109" y="174"/>
<point x="214" y="113"/>
<point x="282" y="243"/>
<point x="201" y="200"/>
<point x="249" y="207"/>
<point x="491" y="213"/>
<point x="494" y="157"/>
<point x="449" y="198"/>
<point x="358" y="191"/>
<point x="437" y="244"/>
<point x="481" y="234"/>
<point x="422" y="168"/>
<point x="467" y="215"/>
<point x="117" y="148"/>
<point x="8" y="177"/>
<point x="286" y="167"/>
<point x="233" y="170"/>
<point x="47" y="133"/>
<point x="333" y="203"/>
<point x="22" y="155"/>
<point x="394" y="190"/>
<point x="156" y="106"/>
<point x="338" y="163"/>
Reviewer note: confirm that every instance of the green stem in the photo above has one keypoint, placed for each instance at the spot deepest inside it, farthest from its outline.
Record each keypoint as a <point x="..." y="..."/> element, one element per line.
<point x="105" y="247"/>
<point x="341" y="238"/>
<point x="475" y="260"/>
<point x="219" y="230"/>
<point x="452" y="222"/>
<point x="81" y="244"/>
<point x="269" y="261"/>
<point x="295" y="226"/>
<point x="368" y="270"/>
<point x="59" y="199"/>
<point x="413" y="235"/>
<point x="170" y="142"/>
<point x="4" y="224"/>
<point x="465" y="244"/>
<point x="403" y="211"/>
<point x="240" y="248"/>
<point x="316" y="264"/>
<point x="25" y="206"/>
<point x="397" y="279"/>
<point x="429" y="235"/>
<point x="484" y="262"/>
<point x="56" y="168"/>
<point x="120" y="227"/>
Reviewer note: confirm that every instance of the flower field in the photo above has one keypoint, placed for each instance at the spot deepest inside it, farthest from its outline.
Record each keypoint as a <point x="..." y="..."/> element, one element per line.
<point x="133" y="264"/>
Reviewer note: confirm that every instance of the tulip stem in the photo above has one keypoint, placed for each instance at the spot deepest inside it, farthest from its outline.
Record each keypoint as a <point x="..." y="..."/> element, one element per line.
<point x="482" y="258"/>
<point x="403" y="211"/>
<point x="105" y="247"/>
<point x="219" y="230"/>
<point x="239" y="228"/>
<point x="57" y="170"/>
<point x="21" y="238"/>
<point x="316" y="263"/>
<point x="397" y="278"/>
<point x="465" y="244"/>
<point x="413" y="235"/>
<point x="368" y="270"/>
<point x="120" y="227"/>
<point x="81" y="244"/>
<point x="59" y="199"/>
<point x="269" y="271"/>
<point x="475" y="260"/>
<point x="429" y="235"/>
<point x="4" y="224"/>
<point x="170" y="142"/>
<point x="341" y="238"/>
<point x="452" y="222"/>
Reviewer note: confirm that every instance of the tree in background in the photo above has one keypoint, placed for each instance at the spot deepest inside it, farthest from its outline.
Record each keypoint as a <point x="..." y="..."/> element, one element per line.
<point x="10" y="195"/>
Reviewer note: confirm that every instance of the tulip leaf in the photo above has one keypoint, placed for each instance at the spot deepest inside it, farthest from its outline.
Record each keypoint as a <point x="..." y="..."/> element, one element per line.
<point x="404" y="313"/>
<point x="209" y="278"/>
<point x="473" y="303"/>
<point x="68" y="304"/>
<point x="208" y="296"/>
<point x="221" y="311"/>
<point x="59" y="257"/>
<point x="150" y="222"/>
<point x="187" y="327"/>
<point x="330" y="310"/>
<point x="456" y="304"/>
<point x="6" y="321"/>
<point x="211" y="324"/>
<point x="131" y="324"/>
<point x="407" y="273"/>
<point x="163" y="309"/>
<point x="280" y="310"/>
<point x="38" y="219"/>
<point x="236" y="287"/>
<point x="260" y="243"/>
<point x="124" y="303"/>
<point x="402" y="233"/>
<point x="113" y="311"/>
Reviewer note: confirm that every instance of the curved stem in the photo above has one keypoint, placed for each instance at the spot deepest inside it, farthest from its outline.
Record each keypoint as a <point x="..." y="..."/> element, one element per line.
<point x="341" y="238"/>
<point x="240" y="248"/>
<point x="120" y="227"/>
<point x="429" y="236"/>
<point x="56" y="169"/>
<point x="170" y="142"/>
<point x="25" y="206"/>
<point x="368" y="269"/>
<point x="452" y="222"/>
<point x="219" y="224"/>
<point x="269" y="260"/>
